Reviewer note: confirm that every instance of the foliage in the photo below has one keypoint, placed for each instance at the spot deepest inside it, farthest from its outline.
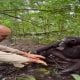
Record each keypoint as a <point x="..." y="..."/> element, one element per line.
<point x="26" y="78"/>
<point x="45" y="20"/>
<point x="76" y="77"/>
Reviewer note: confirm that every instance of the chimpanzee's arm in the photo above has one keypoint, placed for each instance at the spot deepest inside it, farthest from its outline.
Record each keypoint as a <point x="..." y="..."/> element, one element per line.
<point x="47" y="47"/>
<point x="73" y="68"/>
<point x="68" y="41"/>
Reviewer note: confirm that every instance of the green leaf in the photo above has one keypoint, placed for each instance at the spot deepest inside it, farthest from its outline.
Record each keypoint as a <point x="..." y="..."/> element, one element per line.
<point x="29" y="77"/>
<point x="76" y="76"/>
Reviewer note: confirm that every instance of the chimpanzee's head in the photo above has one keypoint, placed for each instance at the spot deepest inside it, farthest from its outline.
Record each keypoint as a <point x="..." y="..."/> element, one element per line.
<point x="68" y="42"/>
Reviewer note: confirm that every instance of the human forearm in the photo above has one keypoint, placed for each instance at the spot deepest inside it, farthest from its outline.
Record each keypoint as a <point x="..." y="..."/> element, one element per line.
<point x="9" y="49"/>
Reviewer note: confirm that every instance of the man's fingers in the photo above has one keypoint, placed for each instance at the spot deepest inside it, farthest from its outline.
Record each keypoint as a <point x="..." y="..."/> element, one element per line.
<point x="37" y="60"/>
<point x="34" y="56"/>
<point x="41" y="62"/>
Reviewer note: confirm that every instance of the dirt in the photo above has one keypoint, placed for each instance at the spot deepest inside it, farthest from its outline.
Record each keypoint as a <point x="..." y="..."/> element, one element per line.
<point x="37" y="71"/>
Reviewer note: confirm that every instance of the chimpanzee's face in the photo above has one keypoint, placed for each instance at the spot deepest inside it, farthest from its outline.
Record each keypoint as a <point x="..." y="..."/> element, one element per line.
<point x="67" y="42"/>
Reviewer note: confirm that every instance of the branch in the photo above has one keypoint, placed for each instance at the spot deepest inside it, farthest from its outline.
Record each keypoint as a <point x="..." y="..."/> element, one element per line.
<point x="38" y="34"/>
<point x="10" y="15"/>
<point x="11" y="10"/>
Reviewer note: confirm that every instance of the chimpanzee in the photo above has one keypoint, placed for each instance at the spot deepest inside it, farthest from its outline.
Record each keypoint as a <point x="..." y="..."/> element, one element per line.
<point x="69" y="42"/>
<point x="67" y="49"/>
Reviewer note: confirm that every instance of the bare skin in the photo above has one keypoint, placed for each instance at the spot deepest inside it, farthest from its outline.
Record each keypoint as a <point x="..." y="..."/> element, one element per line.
<point x="4" y="33"/>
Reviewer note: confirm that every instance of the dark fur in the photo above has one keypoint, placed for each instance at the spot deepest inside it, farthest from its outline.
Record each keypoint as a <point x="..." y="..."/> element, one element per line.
<point x="70" y="51"/>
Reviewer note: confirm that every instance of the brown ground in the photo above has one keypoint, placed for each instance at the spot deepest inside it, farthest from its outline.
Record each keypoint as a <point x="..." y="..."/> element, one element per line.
<point x="39" y="72"/>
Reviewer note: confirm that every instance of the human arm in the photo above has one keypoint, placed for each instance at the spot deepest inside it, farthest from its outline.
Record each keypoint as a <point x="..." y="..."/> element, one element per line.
<point x="18" y="60"/>
<point x="28" y="55"/>
<point x="9" y="49"/>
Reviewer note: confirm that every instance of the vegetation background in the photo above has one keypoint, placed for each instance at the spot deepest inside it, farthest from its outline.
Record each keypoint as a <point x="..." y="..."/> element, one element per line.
<point x="41" y="20"/>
